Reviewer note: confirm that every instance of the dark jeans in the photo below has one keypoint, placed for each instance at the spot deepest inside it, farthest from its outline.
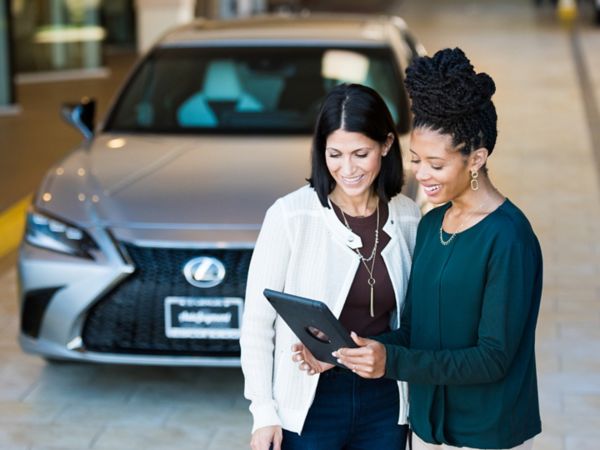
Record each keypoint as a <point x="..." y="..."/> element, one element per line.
<point x="351" y="413"/>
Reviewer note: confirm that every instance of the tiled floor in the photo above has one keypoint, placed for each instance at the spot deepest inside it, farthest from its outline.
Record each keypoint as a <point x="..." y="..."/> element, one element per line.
<point x="79" y="406"/>
<point x="543" y="161"/>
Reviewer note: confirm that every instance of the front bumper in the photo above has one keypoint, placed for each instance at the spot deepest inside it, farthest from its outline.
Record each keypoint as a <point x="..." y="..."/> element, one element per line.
<point x="113" y="310"/>
<point x="54" y="351"/>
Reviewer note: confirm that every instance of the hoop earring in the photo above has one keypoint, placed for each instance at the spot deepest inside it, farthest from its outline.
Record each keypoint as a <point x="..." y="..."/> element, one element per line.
<point x="474" y="182"/>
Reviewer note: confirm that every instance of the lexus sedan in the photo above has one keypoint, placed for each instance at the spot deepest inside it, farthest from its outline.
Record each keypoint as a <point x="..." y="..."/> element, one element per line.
<point x="137" y="244"/>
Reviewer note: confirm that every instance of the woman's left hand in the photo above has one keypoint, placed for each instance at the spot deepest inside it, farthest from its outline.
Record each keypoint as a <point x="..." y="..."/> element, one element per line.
<point x="307" y="361"/>
<point x="367" y="361"/>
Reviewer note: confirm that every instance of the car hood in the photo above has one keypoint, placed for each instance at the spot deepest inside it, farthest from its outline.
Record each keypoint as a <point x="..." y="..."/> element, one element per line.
<point x="164" y="182"/>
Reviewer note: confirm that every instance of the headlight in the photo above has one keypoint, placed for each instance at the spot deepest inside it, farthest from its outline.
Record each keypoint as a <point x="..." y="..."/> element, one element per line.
<point x="52" y="234"/>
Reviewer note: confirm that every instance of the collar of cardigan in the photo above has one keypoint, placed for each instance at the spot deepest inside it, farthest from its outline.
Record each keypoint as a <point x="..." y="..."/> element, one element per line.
<point x="343" y="234"/>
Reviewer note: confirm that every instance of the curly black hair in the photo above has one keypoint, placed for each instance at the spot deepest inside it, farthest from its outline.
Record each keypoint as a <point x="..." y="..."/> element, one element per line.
<point x="450" y="97"/>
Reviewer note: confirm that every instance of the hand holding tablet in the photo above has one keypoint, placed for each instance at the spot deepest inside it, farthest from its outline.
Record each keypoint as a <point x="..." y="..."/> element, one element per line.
<point x="313" y="323"/>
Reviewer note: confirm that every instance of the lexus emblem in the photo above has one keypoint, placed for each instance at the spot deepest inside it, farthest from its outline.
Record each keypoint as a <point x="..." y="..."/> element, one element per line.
<point x="204" y="271"/>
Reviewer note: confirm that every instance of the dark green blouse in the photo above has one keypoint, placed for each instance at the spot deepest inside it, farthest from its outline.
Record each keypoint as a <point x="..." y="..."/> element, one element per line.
<point x="467" y="336"/>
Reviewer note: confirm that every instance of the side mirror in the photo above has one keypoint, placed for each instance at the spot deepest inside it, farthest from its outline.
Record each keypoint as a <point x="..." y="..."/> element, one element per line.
<point x="81" y="116"/>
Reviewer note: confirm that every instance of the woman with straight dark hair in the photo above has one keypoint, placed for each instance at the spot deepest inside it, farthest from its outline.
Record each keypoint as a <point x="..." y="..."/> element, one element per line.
<point x="347" y="239"/>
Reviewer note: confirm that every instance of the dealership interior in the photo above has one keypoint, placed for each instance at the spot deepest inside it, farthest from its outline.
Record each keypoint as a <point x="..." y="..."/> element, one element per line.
<point x="545" y="59"/>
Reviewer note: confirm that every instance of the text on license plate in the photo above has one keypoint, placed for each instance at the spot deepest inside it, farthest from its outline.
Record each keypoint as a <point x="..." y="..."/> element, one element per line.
<point x="203" y="317"/>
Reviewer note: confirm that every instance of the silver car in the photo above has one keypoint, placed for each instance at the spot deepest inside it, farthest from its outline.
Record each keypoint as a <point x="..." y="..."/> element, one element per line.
<point x="138" y="243"/>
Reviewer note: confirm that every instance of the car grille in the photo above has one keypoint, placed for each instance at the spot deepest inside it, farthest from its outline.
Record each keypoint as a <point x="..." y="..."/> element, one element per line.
<point x="130" y="318"/>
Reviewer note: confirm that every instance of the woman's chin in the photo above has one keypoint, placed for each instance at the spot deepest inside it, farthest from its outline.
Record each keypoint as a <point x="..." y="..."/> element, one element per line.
<point x="357" y="191"/>
<point x="354" y="189"/>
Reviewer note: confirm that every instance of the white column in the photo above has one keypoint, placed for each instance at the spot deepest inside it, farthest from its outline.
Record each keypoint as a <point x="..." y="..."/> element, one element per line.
<point x="154" y="17"/>
<point x="247" y="8"/>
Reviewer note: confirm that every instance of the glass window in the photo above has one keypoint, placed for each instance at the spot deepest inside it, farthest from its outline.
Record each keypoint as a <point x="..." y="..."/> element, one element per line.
<point x="57" y="34"/>
<point x="262" y="90"/>
<point x="6" y="94"/>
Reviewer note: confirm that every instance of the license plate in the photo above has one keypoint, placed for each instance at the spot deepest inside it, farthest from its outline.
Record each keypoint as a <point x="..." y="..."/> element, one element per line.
<point x="203" y="317"/>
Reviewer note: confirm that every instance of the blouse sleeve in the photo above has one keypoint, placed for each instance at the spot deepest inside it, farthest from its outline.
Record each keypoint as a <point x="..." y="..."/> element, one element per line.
<point x="509" y="310"/>
<point x="268" y="269"/>
<point x="401" y="336"/>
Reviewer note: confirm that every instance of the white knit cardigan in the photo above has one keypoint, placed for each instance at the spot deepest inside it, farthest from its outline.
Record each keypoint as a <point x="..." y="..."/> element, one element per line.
<point x="303" y="249"/>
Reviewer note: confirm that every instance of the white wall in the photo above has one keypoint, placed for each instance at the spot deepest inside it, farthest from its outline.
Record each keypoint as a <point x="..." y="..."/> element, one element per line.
<point x="154" y="17"/>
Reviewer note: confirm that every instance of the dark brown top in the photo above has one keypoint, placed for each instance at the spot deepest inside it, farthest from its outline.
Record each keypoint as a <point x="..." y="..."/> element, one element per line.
<point x="355" y="315"/>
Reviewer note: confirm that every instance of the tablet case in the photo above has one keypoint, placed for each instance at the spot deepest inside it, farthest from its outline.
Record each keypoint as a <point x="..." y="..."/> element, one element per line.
<point x="313" y="323"/>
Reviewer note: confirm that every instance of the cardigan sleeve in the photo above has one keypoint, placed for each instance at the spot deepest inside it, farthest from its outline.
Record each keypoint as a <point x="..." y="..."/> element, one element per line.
<point x="514" y="277"/>
<point x="268" y="268"/>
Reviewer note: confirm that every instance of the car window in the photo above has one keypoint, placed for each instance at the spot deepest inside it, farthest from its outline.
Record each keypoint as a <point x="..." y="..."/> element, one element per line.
<point x="263" y="90"/>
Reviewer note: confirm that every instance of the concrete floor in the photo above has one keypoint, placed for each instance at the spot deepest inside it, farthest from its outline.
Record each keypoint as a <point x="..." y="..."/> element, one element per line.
<point x="544" y="161"/>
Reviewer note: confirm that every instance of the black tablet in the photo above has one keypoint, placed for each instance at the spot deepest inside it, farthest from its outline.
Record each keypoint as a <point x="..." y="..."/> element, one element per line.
<point x="313" y="322"/>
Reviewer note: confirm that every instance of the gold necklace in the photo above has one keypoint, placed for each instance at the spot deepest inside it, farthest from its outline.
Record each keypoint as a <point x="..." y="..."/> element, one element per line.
<point x="453" y="235"/>
<point x="371" y="258"/>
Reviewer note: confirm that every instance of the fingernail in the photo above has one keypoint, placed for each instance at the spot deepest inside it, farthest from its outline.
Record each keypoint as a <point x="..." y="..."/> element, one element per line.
<point x="339" y="360"/>
<point x="334" y="354"/>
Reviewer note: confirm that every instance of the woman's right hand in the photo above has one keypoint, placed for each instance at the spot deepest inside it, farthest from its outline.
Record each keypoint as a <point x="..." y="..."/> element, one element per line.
<point x="307" y="361"/>
<point x="262" y="438"/>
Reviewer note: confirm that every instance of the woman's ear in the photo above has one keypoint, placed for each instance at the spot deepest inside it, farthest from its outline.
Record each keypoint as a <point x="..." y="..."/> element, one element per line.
<point x="478" y="158"/>
<point x="389" y="140"/>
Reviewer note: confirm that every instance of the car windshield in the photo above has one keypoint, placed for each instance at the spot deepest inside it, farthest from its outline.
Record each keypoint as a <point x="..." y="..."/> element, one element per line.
<point x="262" y="90"/>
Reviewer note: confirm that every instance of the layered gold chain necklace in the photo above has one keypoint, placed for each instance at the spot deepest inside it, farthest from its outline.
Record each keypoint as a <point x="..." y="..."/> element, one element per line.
<point x="371" y="259"/>
<point x="459" y="229"/>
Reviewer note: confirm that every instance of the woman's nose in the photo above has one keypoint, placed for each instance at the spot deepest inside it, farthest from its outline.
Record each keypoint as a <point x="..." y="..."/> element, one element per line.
<point x="421" y="173"/>
<point x="347" y="166"/>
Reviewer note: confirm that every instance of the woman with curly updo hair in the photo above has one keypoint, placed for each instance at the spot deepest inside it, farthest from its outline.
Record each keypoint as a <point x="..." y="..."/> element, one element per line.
<point x="466" y="343"/>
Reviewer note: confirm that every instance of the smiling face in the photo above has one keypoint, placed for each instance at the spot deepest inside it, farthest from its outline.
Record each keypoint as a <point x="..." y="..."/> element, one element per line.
<point x="354" y="161"/>
<point x="440" y="168"/>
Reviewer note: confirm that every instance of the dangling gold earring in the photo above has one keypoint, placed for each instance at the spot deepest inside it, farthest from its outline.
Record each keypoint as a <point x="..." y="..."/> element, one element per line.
<point x="474" y="182"/>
